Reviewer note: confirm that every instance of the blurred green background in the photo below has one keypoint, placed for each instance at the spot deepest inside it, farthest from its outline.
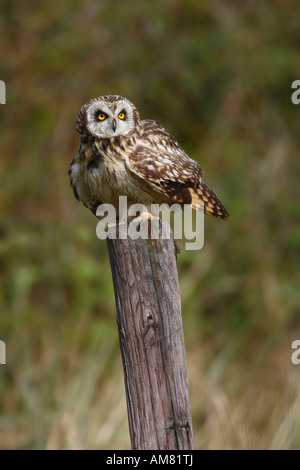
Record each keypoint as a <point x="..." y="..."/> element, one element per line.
<point x="218" y="76"/>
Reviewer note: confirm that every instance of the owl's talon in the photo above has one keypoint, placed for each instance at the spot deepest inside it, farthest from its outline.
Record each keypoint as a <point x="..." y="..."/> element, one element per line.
<point x="144" y="217"/>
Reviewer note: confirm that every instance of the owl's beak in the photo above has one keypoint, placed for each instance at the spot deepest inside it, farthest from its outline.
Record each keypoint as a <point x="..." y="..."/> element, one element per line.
<point x="114" y="125"/>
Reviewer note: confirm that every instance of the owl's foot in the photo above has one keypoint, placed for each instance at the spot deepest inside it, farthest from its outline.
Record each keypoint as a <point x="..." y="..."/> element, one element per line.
<point x="144" y="217"/>
<point x="138" y="222"/>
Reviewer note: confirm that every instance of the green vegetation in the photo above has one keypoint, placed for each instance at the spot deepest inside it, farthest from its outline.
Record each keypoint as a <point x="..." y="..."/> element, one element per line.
<point x="218" y="76"/>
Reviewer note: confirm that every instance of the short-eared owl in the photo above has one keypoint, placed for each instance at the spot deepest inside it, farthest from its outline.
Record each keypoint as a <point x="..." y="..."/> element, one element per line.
<point x="121" y="155"/>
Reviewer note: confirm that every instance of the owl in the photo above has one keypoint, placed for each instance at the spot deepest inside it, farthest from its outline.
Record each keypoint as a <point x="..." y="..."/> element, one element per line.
<point x="121" y="155"/>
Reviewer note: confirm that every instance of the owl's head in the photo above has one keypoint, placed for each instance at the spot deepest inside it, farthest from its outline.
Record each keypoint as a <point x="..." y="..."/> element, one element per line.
<point x="107" y="116"/>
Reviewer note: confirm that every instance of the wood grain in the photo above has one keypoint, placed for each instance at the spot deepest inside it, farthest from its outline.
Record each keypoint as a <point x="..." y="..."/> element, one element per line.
<point x="152" y="344"/>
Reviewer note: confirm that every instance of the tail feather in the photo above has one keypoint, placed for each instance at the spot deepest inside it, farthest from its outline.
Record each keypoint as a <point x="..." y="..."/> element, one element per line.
<point x="204" y="195"/>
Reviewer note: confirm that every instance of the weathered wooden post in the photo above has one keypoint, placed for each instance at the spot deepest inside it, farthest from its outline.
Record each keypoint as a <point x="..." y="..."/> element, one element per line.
<point x="149" y="319"/>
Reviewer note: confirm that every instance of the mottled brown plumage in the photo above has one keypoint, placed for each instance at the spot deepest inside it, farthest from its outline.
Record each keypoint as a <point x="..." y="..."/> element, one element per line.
<point x="121" y="155"/>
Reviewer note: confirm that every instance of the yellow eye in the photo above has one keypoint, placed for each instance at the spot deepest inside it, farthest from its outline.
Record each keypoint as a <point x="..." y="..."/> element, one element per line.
<point x="101" y="116"/>
<point x="121" y="116"/>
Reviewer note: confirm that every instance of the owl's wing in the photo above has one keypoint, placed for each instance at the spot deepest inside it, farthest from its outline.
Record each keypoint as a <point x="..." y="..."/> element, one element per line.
<point x="162" y="162"/>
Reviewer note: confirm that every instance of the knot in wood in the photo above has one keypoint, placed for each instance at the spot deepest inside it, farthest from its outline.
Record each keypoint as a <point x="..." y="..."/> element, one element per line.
<point x="149" y="318"/>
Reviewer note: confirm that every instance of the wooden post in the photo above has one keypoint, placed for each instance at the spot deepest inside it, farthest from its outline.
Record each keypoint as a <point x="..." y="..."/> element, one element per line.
<point x="152" y="345"/>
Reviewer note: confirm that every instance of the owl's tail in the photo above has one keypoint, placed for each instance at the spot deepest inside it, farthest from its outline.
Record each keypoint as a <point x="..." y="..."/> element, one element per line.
<point x="204" y="195"/>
